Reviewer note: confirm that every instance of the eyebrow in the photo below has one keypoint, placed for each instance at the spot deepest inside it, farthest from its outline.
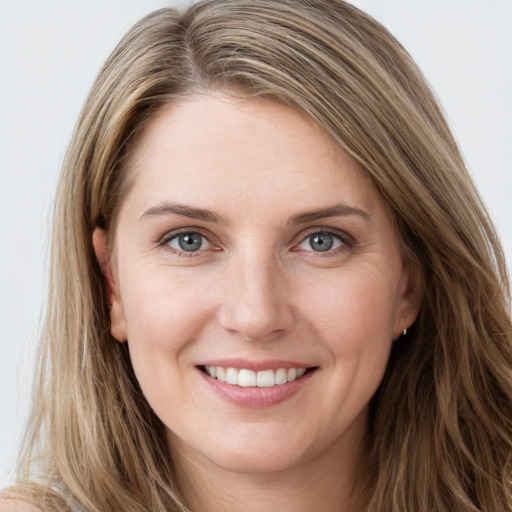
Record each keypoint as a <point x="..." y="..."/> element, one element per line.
<point x="337" y="210"/>
<point x="183" y="210"/>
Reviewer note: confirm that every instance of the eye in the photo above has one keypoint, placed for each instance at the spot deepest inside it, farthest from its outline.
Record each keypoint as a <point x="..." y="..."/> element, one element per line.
<point x="321" y="241"/>
<point x="190" y="241"/>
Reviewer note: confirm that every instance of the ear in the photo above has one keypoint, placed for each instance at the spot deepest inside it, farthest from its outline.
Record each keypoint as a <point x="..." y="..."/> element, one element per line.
<point x="410" y="296"/>
<point x="115" y="306"/>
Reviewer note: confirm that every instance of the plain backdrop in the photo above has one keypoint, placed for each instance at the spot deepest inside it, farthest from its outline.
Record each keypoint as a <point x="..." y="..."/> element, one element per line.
<point x="50" y="52"/>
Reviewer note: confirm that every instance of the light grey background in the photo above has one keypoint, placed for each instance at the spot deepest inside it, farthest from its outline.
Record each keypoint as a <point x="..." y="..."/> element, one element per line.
<point x="50" y="52"/>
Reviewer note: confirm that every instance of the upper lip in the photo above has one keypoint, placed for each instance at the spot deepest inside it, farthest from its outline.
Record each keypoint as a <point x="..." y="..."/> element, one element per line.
<point x="251" y="364"/>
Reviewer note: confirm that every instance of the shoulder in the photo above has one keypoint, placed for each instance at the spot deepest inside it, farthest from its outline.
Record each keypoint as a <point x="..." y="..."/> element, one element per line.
<point x="14" y="505"/>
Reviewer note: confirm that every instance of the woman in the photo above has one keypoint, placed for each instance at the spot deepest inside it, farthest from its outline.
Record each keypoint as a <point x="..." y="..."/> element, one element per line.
<point x="273" y="283"/>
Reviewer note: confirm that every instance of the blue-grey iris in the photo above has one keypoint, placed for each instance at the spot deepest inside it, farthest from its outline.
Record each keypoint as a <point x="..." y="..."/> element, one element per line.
<point x="190" y="241"/>
<point x="321" y="242"/>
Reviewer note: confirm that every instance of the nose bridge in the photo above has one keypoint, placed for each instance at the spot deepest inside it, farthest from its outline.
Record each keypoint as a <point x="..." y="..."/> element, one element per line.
<point x="256" y="302"/>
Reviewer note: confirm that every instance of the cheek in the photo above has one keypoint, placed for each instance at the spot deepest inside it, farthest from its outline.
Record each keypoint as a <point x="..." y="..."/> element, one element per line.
<point x="352" y="315"/>
<point x="165" y="312"/>
<point x="164" y="316"/>
<point x="351" y="307"/>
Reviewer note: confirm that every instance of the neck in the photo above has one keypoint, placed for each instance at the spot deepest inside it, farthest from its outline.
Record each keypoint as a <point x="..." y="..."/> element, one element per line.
<point x="329" y="483"/>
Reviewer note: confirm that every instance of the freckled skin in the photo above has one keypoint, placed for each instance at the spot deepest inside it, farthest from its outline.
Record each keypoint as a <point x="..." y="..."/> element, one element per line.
<point x="256" y="289"/>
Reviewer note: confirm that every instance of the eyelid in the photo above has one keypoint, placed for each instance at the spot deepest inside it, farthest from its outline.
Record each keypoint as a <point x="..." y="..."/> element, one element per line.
<point x="173" y="233"/>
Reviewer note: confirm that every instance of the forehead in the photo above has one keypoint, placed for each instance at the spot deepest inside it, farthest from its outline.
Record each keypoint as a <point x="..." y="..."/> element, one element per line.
<point x="244" y="153"/>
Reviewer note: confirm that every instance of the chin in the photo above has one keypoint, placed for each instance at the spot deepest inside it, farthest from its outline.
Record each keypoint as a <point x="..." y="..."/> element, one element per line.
<point x="258" y="459"/>
<point x="256" y="450"/>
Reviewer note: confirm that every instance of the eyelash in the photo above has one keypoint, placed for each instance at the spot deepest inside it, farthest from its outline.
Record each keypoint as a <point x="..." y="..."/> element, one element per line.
<point x="346" y="240"/>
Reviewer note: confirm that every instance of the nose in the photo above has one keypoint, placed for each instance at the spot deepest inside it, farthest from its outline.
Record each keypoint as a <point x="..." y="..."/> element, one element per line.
<point x="257" y="304"/>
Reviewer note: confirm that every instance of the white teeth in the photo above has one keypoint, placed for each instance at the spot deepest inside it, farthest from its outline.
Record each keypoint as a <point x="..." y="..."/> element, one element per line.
<point x="250" y="378"/>
<point x="232" y="376"/>
<point x="246" y="378"/>
<point x="221" y="374"/>
<point x="266" y="379"/>
<point x="281" y="376"/>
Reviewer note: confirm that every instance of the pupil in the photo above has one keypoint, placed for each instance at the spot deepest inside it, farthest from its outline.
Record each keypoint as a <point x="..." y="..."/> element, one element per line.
<point x="190" y="242"/>
<point x="321" y="242"/>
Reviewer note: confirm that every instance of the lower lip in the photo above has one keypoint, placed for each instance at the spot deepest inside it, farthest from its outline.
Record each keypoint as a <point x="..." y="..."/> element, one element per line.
<point x="253" y="397"/>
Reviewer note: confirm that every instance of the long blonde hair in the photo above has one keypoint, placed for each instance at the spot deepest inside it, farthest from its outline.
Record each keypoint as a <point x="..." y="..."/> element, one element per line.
<point x="441" y="422"/>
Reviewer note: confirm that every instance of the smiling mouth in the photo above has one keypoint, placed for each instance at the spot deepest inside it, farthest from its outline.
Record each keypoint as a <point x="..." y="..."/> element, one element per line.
<point x="249" y="378"/>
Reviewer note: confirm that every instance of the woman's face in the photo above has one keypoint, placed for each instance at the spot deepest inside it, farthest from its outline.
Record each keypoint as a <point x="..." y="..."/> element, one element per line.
<point x="252" y="248"/>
